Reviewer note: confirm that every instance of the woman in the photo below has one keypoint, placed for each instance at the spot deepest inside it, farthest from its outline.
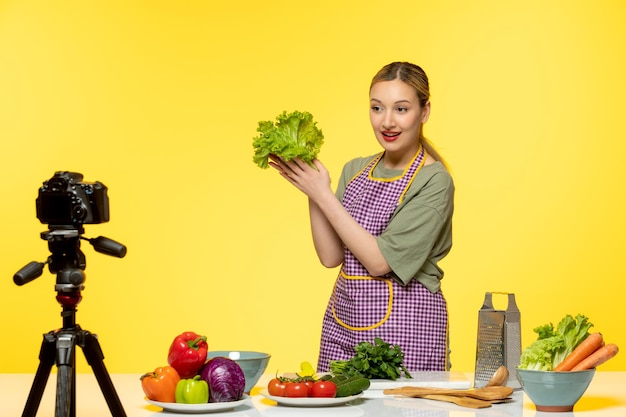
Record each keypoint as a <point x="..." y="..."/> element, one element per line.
<point x="388" y="225"/>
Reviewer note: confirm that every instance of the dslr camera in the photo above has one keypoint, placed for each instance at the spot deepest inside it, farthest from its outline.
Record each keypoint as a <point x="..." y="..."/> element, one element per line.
<point x="65" y="200"/>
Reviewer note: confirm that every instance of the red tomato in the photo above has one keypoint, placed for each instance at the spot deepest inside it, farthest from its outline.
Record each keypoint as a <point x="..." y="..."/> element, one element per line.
<point x="309" y="385"/>
<point x="296" y="389"/>
<point x="326" y="389"/>
<point x="276" y="387"/>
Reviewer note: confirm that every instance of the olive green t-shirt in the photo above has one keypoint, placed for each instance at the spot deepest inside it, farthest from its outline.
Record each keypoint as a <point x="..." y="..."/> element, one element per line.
<point x="419" y="233"/>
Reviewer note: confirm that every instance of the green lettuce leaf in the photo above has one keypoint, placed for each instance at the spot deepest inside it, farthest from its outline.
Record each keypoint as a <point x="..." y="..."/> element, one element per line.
<point x="554" y="344"/>
<point x="573" y="331"/>
<point x="293" y="135"/>
<point x="539" y="356"/>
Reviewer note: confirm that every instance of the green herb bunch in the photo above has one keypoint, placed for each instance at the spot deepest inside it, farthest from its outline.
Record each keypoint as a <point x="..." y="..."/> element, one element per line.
<point x="378" y="360"/>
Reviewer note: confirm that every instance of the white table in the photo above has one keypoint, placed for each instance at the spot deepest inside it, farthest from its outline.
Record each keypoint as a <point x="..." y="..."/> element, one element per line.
<point x="605" y="397"/>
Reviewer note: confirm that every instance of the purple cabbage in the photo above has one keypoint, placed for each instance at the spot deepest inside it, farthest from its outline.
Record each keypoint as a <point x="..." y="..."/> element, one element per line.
<point x="225" y="378"/>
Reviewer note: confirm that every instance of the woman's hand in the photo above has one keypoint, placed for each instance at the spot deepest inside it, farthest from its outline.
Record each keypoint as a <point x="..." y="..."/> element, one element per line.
<point x="314" y="181"/>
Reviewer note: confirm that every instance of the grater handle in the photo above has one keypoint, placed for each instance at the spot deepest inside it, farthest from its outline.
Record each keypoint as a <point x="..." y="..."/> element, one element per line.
<point x="512" y="307"/>
<point x="488" y="303"/>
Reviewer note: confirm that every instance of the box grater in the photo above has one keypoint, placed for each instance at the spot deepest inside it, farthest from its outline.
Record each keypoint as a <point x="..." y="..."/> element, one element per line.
<point x="498" y="342"/>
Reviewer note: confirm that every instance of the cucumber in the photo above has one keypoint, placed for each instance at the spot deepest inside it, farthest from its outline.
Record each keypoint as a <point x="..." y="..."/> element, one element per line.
<point x="338" y="379"/>
<point x="350" y="386"/>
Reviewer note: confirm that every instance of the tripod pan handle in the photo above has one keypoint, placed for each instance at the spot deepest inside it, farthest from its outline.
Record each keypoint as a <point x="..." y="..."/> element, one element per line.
<point x="28" y="273"/>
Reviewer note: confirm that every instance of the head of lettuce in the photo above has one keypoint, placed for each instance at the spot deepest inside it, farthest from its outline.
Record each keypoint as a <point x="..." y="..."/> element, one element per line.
<point x="554" y="344"/>
<point x="293" y="135"/>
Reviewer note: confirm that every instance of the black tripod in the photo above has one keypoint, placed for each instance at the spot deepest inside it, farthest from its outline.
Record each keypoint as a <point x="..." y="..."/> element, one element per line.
<point x="59" y="346"/>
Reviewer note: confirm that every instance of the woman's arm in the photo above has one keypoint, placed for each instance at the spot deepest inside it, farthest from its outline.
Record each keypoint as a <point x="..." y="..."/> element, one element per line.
<point x="360" y="242"/>
<point x="332" y="226"/>
<point x="328" y="245"/>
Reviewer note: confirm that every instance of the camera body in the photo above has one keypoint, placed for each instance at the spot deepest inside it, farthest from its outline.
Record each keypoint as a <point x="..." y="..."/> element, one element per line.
<point x="66" y="200"/>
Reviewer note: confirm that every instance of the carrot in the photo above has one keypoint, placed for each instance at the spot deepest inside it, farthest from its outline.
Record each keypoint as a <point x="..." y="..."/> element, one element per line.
<point x="585" y="348"/>
<point x="597" y="358"/>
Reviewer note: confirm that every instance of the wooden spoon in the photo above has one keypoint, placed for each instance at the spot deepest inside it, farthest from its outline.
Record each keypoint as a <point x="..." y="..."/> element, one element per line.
<point x="499" y="377"/>
<point x="462" y="401"/>
<point x="485" y="393"/>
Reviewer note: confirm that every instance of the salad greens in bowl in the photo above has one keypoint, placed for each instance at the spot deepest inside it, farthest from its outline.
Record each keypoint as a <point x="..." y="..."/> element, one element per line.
<point x="556" y="369"/>
<point x="554" y="344"/>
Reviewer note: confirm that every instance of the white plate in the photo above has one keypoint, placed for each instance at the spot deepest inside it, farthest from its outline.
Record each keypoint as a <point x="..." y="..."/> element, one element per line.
<point x="198" y="408"/>
<point x="309" y="401"/>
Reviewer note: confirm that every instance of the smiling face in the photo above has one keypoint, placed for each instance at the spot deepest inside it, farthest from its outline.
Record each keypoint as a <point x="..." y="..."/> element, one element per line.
<point x="397" y="117"/>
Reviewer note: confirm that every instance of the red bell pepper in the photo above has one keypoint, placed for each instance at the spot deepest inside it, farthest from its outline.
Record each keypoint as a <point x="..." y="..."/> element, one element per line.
<point x="188" y="353"/>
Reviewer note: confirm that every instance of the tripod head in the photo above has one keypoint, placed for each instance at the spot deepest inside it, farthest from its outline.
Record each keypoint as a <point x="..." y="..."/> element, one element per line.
<point x="67" y="259"/>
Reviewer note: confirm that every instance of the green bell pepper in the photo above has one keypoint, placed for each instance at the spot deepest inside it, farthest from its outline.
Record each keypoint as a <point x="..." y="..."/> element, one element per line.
<point x="192" y="391"/>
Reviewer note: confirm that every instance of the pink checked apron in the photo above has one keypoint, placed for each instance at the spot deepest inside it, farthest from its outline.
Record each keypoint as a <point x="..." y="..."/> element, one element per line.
<point x="363" y="307"/>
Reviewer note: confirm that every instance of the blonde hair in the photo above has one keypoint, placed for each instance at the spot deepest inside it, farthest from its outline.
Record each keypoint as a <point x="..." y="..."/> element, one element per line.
<point x="416" y="77"/>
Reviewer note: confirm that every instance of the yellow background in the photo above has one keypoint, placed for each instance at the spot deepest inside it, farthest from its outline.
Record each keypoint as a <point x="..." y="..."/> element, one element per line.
<point x="160" y="101"/>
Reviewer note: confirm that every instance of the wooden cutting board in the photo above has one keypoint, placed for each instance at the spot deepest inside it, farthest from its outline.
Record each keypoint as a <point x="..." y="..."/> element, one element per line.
<point x="436" y="379"/>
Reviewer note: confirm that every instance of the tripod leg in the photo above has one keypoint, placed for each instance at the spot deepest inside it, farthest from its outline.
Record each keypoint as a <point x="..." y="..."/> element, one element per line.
<point x="66" y="374"/>
<point x="93" y="354"/>
<point x="46" y="360"/>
